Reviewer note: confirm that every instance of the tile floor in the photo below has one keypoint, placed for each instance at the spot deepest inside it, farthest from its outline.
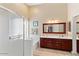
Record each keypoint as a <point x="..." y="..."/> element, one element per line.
<point x="51" y="52"/>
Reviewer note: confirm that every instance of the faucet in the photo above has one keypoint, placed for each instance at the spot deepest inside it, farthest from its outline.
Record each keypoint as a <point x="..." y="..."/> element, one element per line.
<point x="62" y="35"/>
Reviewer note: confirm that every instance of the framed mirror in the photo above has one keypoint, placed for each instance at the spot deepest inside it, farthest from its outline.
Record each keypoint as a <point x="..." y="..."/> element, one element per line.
<point x="54" y="28"/>
<point x="77" y="27"/>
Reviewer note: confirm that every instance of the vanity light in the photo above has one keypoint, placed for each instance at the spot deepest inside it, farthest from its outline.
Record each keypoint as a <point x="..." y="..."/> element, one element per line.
<point x="56" y="21"/>
<point x="51" y="21"/>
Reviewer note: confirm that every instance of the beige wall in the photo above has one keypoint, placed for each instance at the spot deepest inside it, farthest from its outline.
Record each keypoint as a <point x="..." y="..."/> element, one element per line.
<point x="19" y="8"/>
<point x="48" y="11"/>
<point x="73" y="10"/>
<point x="45" y="12"/>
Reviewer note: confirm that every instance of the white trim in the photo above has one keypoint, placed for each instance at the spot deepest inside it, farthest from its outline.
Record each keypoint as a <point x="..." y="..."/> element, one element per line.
<point x="9" y="10"/>
<point x="76" y="16"/>
<point x="73" y="31"/>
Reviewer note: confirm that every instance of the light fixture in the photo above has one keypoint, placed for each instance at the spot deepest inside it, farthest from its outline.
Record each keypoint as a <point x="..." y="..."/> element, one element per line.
<point x="33" y="4"/>
<point x="53" y="21"/>
<point x="56" y="21"/>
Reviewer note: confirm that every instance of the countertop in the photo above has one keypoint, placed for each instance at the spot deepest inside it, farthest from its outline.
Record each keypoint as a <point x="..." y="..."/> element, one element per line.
<point x="57" y="37"/>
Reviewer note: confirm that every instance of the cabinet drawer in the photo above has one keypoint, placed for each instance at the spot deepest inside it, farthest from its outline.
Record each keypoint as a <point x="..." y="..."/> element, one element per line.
<point x="58" y="46"/>
<point x="49" y="41"/>
<point x="49" y="45"/>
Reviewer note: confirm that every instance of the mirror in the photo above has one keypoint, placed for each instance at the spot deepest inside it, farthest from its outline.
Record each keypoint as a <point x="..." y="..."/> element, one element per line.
<point x="77" y="27"/>
<point x="54" y="28"/>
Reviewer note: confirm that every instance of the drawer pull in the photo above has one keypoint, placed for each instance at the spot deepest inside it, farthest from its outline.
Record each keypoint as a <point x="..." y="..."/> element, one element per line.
<point x="58" y="42"/>
<point x="57" y="45"/>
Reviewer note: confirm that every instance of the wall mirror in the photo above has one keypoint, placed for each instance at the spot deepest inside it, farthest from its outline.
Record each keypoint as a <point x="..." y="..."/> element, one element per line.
<point x="54" y="28"/>
<point x="77" y="27"/>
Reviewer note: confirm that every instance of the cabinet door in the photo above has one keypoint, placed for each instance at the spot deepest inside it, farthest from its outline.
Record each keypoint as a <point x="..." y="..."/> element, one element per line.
<point x="54" y="43"/>
<point x="58" y="44"/>
<point x="78" y="46"/>
<point x="43" y="42"/>
<point x="66" y="45"/>
<point x="49" y="43"/>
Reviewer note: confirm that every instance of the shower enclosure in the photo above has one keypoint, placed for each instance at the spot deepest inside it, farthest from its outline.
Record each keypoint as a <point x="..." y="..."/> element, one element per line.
<point x="13" y="35"/>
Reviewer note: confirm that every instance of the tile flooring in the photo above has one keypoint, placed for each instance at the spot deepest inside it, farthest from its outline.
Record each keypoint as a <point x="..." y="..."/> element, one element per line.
<point x="51" y="52"/>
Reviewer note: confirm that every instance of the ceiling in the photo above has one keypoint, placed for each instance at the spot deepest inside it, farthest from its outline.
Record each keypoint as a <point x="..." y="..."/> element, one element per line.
<point x="31" y="4"/>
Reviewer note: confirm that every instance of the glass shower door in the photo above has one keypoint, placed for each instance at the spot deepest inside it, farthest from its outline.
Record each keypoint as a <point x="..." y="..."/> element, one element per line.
<point x="16" y="36"/>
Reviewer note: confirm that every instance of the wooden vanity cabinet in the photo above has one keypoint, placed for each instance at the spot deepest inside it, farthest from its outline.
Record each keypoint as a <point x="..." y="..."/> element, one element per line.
<point x="55" y="43"/>
<point x="67" y="44"/>
<point x="43" y="42"/>
<point x="78" y="46"/>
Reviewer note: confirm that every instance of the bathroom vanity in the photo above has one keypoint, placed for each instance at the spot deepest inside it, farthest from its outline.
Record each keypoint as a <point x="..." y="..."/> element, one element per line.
<point x="56" y="43"/>
<point x="64" y="44"/>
